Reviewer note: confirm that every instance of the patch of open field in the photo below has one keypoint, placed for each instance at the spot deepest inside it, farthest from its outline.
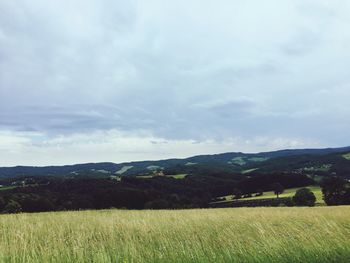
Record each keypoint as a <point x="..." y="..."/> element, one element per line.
<point x="249" y="171"/>
<point x="347" y="156"/>
<point x="175" y="176"/>
<point x="178" y="176"/>
<point x="319" y="234"/>
<point x="124" y="169"/>
<point x="7" y="188"/>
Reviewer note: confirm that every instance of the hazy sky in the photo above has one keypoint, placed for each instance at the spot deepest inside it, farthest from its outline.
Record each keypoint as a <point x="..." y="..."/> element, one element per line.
<point x="93" y="80"/>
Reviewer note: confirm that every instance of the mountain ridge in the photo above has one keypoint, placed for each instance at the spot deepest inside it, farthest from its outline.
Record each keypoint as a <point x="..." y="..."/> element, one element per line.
<point x="234" y="159"/>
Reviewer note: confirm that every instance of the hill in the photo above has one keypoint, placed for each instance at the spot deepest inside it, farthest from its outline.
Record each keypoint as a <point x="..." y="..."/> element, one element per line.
<point x="237" y="162"/>
<point x="194" y="182"/>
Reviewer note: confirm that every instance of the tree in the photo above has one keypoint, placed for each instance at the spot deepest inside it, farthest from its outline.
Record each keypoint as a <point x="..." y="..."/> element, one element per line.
<point x="2" y="203"/>
<point x="12" y="207"/>
<point x="278" y="189"/>
<point x="334" y="190"/>
<point x="33" y="202"/>
<point x="237" y="194"/>
<point x="304" y="197"/>
<point x="157" y="204"/>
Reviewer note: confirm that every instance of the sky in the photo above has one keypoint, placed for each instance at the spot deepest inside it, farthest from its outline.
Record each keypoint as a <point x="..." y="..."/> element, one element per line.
<point x="98" y="80"/>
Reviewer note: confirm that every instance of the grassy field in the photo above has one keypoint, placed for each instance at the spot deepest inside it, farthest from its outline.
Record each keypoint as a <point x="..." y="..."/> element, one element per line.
<point x="290" y="193"/>
<point x="7" y="188"/>
<point x="347" y="156"/>
<point x="176" y="176"/>
<point x="319" y="234"/>
<point x="287" y="193"/>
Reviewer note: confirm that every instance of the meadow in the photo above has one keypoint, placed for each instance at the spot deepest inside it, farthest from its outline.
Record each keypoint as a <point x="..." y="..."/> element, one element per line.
<point x="284" y="234"/>
<point x="286" y="193"/>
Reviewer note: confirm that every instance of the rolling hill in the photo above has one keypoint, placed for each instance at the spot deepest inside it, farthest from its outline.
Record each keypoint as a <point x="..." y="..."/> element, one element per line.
<point x="312" y="161"/>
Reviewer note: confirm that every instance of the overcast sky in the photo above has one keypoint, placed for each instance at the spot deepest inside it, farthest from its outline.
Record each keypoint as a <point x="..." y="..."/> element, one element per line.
<point x="93" y="80"/>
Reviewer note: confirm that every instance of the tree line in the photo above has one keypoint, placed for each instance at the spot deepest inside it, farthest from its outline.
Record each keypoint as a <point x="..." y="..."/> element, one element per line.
<point x="53" y="194"/>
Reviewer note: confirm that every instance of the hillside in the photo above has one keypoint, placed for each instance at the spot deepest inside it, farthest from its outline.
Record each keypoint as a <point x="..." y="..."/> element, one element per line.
<point x="194" y="182"/>
<point x="235" y="162"/>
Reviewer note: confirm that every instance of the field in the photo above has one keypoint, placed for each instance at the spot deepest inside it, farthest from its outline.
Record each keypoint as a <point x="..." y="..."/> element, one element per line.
<point x="287" y="193"/>
<point x="175" y="176"/>
<point x="7" y="188"/>
<point x="319" y="234"/>
<point x="290" y="193"/>
<point x="347" y="156"/>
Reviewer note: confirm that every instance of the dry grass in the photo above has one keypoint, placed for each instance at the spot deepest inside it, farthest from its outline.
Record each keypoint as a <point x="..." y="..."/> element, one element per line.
<point x="319" y="234"/>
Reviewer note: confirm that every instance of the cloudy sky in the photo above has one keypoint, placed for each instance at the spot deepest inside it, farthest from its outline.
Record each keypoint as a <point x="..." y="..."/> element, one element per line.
<point x="93" y="80"/>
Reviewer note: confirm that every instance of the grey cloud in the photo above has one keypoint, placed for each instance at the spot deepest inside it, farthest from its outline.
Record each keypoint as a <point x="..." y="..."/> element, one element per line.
<point x="232" y="109"/>
<point x="226" y="69"/>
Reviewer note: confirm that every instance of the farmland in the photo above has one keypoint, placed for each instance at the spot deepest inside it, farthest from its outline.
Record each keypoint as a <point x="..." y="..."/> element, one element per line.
<point x="318" y="234"/>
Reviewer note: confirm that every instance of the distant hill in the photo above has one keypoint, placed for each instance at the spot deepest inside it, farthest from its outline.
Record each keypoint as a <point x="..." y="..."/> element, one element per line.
<point x="322" y="161"/>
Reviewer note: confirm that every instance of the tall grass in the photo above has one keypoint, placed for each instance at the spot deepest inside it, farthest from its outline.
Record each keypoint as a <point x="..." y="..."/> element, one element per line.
<point x="319" y="234"/>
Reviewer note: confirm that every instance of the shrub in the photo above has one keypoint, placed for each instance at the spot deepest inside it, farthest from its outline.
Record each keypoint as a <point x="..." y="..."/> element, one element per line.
<point x="304" y="197"/>
<point x="289" y="202"/>
<point x="237" y="194"/>
<point x="335" y="191"/>
<point x="13" y="207"/>
<point x="277" y="188"/>
<point x="2" y="203"/>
